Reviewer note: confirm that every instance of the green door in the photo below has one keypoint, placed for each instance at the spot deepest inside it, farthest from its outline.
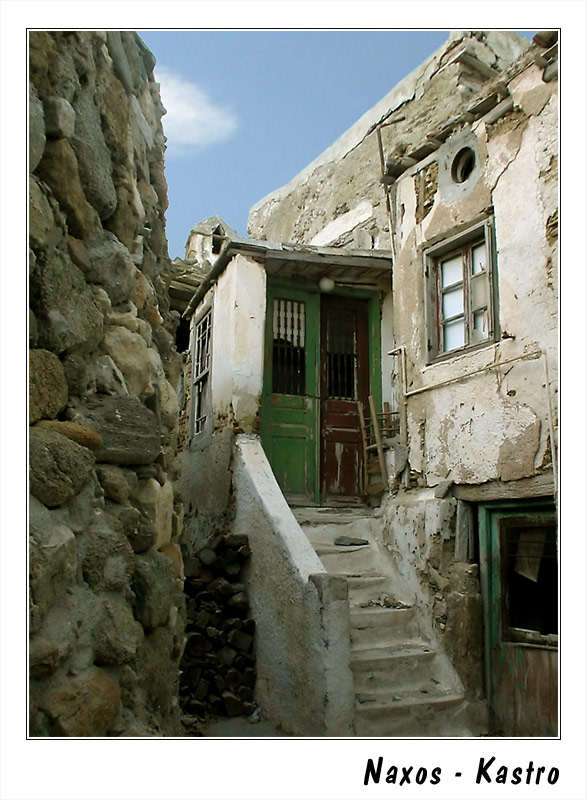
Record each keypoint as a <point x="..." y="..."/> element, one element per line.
<point x="290" y="406"/>
<point x="519" y="575"/>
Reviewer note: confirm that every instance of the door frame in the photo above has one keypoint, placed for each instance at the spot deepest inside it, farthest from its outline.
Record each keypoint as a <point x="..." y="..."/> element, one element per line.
<point x="491" y="573"/>
<point x="287" y="289"/>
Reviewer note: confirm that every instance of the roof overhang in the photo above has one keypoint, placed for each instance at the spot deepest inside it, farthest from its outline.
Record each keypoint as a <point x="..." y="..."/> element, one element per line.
<point x="354" y="267"/>
<point x="368" y="268"/>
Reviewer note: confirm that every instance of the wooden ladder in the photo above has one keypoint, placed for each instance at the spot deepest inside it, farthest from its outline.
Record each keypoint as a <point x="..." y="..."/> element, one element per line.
<point x="373" y="456"/>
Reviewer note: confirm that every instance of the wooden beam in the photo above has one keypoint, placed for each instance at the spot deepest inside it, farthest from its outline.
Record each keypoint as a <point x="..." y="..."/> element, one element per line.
<point x="375" y="262"/>
<point x="365" y="445"/>
<point x="378" y="440"/>
<point x="537" y="486"/>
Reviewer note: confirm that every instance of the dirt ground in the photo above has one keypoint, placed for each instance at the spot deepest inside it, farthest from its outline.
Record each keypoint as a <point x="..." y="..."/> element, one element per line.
<point x="240" y="727"/>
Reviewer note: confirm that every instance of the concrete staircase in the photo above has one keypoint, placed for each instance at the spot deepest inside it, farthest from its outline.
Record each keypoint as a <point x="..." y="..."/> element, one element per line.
<point x="403" y="686"/>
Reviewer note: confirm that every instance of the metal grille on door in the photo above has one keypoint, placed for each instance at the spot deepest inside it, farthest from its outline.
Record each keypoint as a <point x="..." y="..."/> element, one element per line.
<point x="289" y="355"/>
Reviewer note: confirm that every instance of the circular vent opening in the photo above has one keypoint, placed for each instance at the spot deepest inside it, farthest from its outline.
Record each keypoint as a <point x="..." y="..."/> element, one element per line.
<point x="463" y="165"/>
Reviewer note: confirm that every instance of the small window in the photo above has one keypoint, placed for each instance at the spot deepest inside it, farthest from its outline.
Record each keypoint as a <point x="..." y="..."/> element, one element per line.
<point x="289" y="347"/>
<point x="460" y="292"/>
<point x="201" y="372"/>
<point x="342" y="353"/>
<point x="463" y="165"/>
<point x="529" y="580"/>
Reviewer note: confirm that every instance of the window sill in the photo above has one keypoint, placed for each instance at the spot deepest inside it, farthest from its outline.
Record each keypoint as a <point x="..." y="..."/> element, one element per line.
<point x="460" y="353"/>
<point x="528" y="638"/>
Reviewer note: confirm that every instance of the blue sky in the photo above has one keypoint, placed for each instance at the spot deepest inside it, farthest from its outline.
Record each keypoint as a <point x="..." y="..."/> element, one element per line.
<point x="247" y="110"/>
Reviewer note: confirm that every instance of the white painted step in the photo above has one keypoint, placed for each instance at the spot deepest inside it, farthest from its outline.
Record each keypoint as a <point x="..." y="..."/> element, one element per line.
<point x="403" y="687"/>
<point x="323" y="526"/>
<point x="319" y="515"/>
<point x="409" y="714"/>
<point x="365" y="589"/>
<point x="327" y="534"/>
<point x="407" y="698"/>
<point x="409" y="666"/>
<point x="348" y="559"/>
<point x="382" y="627"/>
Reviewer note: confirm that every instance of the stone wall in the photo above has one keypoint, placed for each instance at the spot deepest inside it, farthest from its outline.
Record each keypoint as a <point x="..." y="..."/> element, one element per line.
<point x="107" y="610"/>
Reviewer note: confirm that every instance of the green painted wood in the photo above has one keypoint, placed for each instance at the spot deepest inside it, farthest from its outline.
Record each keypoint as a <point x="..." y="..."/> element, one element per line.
<point x="375" y="349"/>
<point x="521" y="678"/>
<point x="289" y="423"/>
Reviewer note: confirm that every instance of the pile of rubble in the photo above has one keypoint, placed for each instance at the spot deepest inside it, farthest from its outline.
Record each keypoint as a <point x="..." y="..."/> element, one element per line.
<point x="218" y="667"/>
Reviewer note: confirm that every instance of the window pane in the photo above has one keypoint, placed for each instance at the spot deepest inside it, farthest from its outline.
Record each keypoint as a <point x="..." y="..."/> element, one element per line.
<point x="202" y="346"/>
<point x="479" y="293"/>
<point x="452" y="270"/>
<point x="454" y="334"/>
<point x="479" y="259"/>
<point x="480" y="330"/>
<point x="452" y="303"/>
<point x="530" y="575"/>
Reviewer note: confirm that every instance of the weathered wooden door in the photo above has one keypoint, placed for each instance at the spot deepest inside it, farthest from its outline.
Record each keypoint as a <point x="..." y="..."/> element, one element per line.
<point x="344" y="379"/>
<point x="290" y="407"/>
<point x="519" y="569"/>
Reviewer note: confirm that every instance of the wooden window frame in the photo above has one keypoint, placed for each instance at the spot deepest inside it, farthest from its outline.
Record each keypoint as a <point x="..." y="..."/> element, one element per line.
<point x="461" y="243"/>
<point x="201" y="364"/>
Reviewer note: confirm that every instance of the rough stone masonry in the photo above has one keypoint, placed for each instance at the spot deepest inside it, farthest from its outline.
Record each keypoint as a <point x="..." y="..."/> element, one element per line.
<point x="107" y="608"/>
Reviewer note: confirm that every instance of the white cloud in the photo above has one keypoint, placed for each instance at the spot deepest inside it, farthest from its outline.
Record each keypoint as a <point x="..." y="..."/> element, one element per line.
<point x="193" y="119"/>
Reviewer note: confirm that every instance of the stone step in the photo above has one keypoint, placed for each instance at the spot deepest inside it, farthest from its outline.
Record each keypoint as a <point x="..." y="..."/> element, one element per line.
<point x="407" y="698"/>
<point x="409" y="666"/>
<point x="335" y="549"/>
<point x="406" y="714"/>
<point x="327" y="534"/>
<point x="323" y="526"/>
<point x="349" y="560"/>
<point x="325" y="515"/>
<point x="403" y="687"/>
<point x="382" y="627"/>
<point x="366" y="589"/>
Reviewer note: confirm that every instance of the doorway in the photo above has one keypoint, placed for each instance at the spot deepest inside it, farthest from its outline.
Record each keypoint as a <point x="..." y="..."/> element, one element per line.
<point x="322" y="356"/>
<point x="344" y="381"/>
<point x="519" y="579"/>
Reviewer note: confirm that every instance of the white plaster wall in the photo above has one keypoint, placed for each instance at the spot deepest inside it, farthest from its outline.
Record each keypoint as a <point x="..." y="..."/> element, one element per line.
<point x="494" y="425"/>
<point x="414" y="526"/>
<point x="238" y="340"/>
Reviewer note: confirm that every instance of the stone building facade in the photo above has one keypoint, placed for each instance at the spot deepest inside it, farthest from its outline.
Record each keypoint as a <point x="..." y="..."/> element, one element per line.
<point x="433" y="224"/>
<point x="107" y="607"/>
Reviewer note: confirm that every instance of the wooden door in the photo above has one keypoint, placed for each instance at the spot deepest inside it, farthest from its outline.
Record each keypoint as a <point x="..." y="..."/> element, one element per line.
<point x="344" y="379"/>
<point x="519" y="569"/>
<point x="290" y="408"/>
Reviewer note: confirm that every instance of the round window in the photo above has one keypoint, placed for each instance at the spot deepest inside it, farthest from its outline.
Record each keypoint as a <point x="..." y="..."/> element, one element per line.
<point x="463" y="165"/>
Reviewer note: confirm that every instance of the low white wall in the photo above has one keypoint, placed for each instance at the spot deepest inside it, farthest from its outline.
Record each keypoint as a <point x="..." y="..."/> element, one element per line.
<point x="304" y="682"/>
